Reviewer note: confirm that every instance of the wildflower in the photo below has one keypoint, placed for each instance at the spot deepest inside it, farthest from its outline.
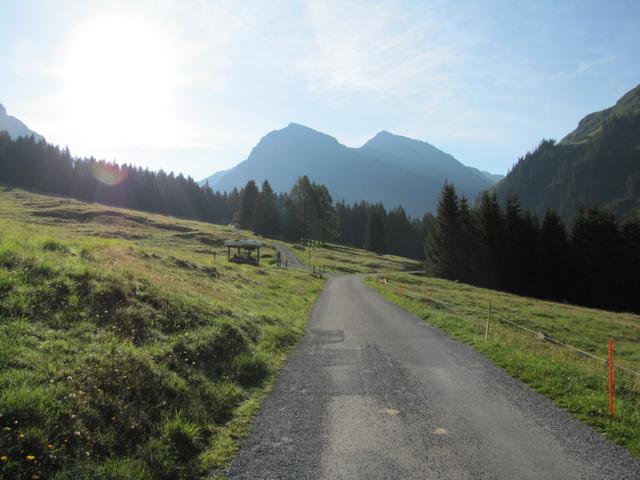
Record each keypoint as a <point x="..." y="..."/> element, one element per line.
<point x="4" y="458"/>
<point x="49" y="446"/>
<point x="69" y="378"/>
<point x="76" y="433"/>
<point x="21" y="435"/>
<point x="31" y="458"/>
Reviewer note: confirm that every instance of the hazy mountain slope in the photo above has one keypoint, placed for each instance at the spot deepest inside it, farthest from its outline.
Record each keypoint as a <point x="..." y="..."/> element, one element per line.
<point x="390" y="169"/>
<point x="425" y="159"/>
<point x="598" y="163"/>
<point x="14" y="126"/>
<point x="494" y="177"/>
<point x="211" y="180"/>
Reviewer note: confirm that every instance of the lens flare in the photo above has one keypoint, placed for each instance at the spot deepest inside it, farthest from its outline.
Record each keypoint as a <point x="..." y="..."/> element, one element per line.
<point x="109" y="174"/>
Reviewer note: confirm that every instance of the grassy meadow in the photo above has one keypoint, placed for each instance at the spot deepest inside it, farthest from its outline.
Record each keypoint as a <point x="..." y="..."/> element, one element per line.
<point x="344" y="259"/>
<point x="571" y="379"/>
<point x="125" y="351"/>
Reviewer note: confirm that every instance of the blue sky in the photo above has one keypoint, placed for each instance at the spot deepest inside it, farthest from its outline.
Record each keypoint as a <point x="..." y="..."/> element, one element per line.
<point x="191" y="86"/>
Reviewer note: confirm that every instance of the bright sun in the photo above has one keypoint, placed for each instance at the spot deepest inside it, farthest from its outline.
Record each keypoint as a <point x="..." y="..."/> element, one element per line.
<point x="118" y="79"/>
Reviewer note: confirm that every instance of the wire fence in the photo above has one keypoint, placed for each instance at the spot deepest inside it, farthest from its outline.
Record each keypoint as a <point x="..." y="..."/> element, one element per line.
<point x="402" y="290"/>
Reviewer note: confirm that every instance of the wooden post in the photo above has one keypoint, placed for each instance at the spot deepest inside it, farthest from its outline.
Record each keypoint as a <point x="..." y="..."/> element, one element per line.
<point x="214" y="258"/>
<point x="611" y="408"/>
<point x="426" y="296"/>
<point x="486" y="330"/>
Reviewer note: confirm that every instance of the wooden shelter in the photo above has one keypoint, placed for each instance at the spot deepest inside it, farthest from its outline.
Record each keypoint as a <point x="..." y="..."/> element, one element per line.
<point x="243" y="251"/>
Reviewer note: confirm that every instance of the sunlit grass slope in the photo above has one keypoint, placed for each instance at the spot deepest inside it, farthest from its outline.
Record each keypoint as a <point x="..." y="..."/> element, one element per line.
<point x="571" y="379"/>
<point x="344" y="259"/>
<point x="125" y="352"/>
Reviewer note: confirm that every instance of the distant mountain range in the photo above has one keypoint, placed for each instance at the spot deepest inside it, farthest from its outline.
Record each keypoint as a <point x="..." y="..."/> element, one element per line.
<point x="596" y="164"/>
<point x="389" y="168"/>
<point x="14" y="126"/>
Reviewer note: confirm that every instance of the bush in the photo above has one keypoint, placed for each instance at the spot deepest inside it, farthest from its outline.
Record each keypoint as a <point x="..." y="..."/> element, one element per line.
<point x="250" y="368"/>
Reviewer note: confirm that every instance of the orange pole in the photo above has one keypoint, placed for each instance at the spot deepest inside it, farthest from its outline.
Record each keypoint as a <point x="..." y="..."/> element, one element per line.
<point x="611" y="376"/>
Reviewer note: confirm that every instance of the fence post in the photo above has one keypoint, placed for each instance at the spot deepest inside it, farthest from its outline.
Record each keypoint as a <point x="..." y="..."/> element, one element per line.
<point x="426" y="296"/>
<point x="611" y="409"/>
<point x="486" y="330"/>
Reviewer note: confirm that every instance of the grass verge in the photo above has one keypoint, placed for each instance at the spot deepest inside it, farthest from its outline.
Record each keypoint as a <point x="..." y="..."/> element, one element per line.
<point x="126" y="351"/>
<point x="572" y="380"/>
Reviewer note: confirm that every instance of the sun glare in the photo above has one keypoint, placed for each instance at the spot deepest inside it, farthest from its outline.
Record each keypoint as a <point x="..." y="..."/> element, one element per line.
<point x="118" y="77"/>
<point x="109" y="174"/>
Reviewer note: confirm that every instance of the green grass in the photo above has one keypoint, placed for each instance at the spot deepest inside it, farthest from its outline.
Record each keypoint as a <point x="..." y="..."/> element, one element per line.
<point x="125" y="352"/>
<point x="571" y="380"/>
<point x="344" y="259"/>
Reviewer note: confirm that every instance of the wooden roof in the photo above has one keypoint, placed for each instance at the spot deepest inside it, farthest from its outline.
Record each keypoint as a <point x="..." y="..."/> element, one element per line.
<point x="249" y="244"/>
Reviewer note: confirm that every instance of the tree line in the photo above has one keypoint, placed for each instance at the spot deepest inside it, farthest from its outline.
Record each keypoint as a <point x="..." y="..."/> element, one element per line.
<point x="506" y="247"/>
<point x="307" y="212"/>
<point x="595" y="263"/>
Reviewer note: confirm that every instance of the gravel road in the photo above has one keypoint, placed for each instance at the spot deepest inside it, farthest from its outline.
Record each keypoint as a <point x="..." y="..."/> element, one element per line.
<point x="373" y="393"/>
<point x="288" y="255"/>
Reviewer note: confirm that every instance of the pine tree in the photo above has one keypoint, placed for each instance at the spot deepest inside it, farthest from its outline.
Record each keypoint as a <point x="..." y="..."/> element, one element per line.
<point x="376" y="236"/>
<point x="442" y="248"/>
<point x="553" y="252"/>
<point x="491" y="240"/>
<point x="248" y="204"/>
<point x="265" y="216"/>
<point x="468" y="242"/>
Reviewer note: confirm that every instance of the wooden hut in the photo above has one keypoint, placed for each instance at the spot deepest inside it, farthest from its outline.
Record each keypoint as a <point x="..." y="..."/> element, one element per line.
<point x="244" y="251"/>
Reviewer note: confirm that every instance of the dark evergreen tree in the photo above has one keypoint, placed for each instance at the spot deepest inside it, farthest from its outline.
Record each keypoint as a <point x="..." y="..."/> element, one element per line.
<point x="490" y="224"/>
<point x="468" y="243"/>
<point x="553" y="252"/>
<point x="376" y="236"/>
<point x="248" y="204"/>
<point x="443" y="251"/>
<point x="265" y="215"/>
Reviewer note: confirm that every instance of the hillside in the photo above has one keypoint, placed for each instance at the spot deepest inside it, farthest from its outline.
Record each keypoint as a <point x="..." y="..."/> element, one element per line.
<point x="596" y="164"/>
<point x="523" y="339"/>
<point x="126" y="351"/>
<point x="15" y="127"/>
<point x="391" y="169"/>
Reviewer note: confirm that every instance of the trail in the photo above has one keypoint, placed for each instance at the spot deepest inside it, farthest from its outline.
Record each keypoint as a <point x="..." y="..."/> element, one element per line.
<point x="372" y="392"/>
<point x="289" y="256"/>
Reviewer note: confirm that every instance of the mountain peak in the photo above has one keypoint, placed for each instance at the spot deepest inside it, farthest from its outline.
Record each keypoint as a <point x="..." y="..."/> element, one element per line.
<point x="390" y="169"/>
<point x="298" y="132"/>
<point x="15" y="127"/>
<point x="386" y="139"/>
<point x="592" y="124"/>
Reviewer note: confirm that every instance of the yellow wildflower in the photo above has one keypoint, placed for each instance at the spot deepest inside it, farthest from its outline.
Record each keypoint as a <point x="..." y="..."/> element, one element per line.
<point x="4" y="458"/>
<point x="31" y="458"/>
